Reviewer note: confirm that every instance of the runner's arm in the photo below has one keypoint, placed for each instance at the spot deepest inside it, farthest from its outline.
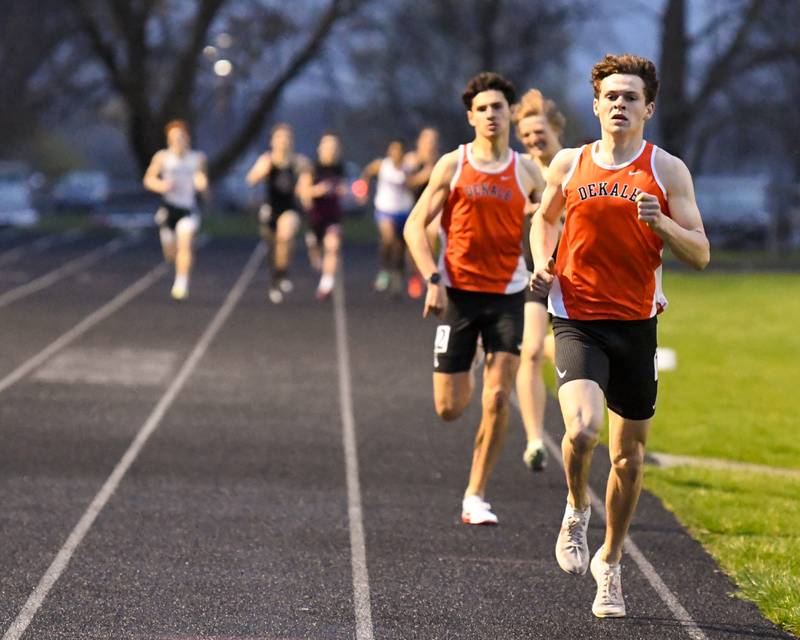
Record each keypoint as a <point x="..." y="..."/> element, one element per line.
<point x="683" y="233"/>
<point x="152" y="176"/>
<point x="419" y="178"/>
<point x="259" y="170"/>
<point x="545" y="224"/>
<point x="305" y="177"/>
<point x="532" y="179"/>
<point x="425" y="210"/>
<point x="200" y="177"/>
<point x="371" y="170"/>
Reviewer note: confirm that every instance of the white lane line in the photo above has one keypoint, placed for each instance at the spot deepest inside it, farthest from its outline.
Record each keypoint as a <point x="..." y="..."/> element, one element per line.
<point x="40" y="244"/>
<point x="63" y="271"/>
<point x="59" y="564"/>
<point x="667" y="597"/>
<point x="358" y="552"/>
<point x="671" y="460"/>
<point x="113" y="305"/>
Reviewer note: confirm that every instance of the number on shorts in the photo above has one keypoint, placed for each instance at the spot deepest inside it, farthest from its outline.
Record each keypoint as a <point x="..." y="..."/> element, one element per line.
<point x="442" y="338"/>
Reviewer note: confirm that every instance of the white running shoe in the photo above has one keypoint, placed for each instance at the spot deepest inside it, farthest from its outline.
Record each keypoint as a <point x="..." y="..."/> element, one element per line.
<point x="475" y="510"/>
<point x="285" y="285"/>
<point x="180" y="291"/>
<point x="608" y="603"/>
<point x="275" y="295"/>
<point x="572" y="549"/>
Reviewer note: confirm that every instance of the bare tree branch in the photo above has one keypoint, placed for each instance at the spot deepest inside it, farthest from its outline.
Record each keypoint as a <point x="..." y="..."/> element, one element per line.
<point x="269" y="96"/>
<point x="102" y="49"/>
<point x="185" y="74"/>
<point x="721" y="70"/>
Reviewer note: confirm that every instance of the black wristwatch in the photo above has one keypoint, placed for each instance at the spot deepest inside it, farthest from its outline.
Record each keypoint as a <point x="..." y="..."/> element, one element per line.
<point x="435" y="278"/>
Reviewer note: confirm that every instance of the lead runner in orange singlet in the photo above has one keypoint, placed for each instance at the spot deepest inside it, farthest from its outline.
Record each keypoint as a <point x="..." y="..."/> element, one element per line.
<point x="478" y="286"/>
<point x="625" y="199"/>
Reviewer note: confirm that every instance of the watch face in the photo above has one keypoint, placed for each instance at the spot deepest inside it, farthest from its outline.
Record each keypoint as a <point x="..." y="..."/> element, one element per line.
<point x="435" y="278"/>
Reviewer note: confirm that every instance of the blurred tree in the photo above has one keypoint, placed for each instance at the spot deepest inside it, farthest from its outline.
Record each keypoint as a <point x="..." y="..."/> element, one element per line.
<point x="30" y="33"/>
<point x="166" y="59"/>
<point x="413" y="58"/>
<point x="701" y="72"/>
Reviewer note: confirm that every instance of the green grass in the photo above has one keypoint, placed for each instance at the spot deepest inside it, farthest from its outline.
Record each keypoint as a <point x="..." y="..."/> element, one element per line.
<point x="750" y="523"/>
<point x="734" y="394"/>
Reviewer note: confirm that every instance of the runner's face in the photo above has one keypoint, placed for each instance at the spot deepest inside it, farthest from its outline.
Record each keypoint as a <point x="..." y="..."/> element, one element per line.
<point x="395" y="152"/>
<point x="490" y="114"/>
<point x="428" y="144"/>
<point x="282" y="141"/>
<point x="620" y="106"/>
<point x="177" y="139"/>
<point x="328" y="149"/>
<point x="539" y="137"/>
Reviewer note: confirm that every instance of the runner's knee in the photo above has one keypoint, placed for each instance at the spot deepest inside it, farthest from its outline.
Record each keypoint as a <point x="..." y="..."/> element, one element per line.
<point x="447" y="409"/>
<point x="582" y="428"/>
<point x="495" y="398"/>
<point x="532" y="352"/>
<point x="629" y="461"/>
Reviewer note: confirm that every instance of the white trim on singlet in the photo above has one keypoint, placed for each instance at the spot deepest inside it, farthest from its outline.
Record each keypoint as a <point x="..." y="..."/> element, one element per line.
<point x="446" y="280"/>
<point x="457" y="174"/>
<point x="474" y="165"/>
<point x="660" y="301"/>
<point x="555" y="300"/>
<point x="520" y="278"/>
<point x="572" y="168"/>
<point x="655" y="173"/>
<point x="517" y="160"/>
<point x="614" y="167"/>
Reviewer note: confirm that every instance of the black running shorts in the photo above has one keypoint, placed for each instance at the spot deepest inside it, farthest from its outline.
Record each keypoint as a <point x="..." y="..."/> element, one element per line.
<point x="619" y="355"/>
<point x="498" y="318"/>
<point x="168" y="215"/>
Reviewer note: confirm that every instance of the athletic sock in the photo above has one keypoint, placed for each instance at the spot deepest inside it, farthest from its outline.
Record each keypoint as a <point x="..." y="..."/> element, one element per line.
<point x="535" y="444"/>
<point x="181" y="281"/>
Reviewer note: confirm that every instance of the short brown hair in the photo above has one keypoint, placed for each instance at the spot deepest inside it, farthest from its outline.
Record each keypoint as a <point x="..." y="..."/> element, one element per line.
<point x="176" y="124"/>
<point x="488" y="81"/>
<point x="629" y="64"/>
<point x="281" y="125"/>
<point x="533" y="103"/>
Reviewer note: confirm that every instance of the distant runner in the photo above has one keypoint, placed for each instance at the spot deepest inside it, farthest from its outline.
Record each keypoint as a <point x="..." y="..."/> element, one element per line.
<point x="178" y="174"/>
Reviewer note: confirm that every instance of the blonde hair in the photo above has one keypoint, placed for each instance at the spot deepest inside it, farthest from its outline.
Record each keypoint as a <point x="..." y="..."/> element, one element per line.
<point x="533" y="103"/>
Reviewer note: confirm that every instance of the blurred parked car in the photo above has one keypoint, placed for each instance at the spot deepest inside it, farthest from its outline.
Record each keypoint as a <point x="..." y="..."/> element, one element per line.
<point x="81" y="190"/>
<point x="128" y="206"/>
<point x="735" y="210"/>
<point x="16" y="205"/>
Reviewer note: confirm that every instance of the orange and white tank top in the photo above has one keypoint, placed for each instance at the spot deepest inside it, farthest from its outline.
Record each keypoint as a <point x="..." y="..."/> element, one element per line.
<point x="609" y="263"/>
<point x="482" y="225"/>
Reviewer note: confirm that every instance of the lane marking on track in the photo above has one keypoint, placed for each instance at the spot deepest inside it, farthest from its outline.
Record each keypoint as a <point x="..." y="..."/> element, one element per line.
<point x="667" y="597"/>
<point x="64" y="555"/>
<point x="66" y="269"/>
<point x="40" y="244"/>
<point x="355" y="514"/>
<point x="112" y="306"/>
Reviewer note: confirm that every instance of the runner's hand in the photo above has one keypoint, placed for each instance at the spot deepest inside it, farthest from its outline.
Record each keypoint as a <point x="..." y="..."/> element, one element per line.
<point x="650" y="211"/>
<point x="435" y="300"/>
<point x="542" y="279"/>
